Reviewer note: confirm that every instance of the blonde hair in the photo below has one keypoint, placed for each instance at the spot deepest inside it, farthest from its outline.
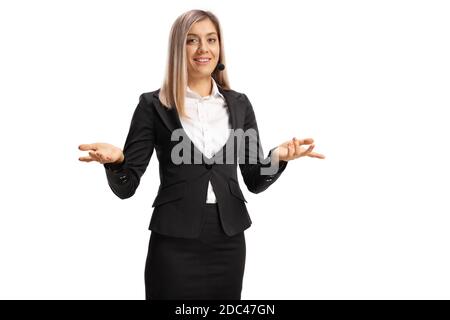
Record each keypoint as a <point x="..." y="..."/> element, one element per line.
<point x="174" y="86"/>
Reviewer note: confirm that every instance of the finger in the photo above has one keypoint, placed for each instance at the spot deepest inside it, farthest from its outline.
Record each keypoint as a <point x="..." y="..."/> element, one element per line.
<point x="308" y="150"/>
<point x="100" y="156"/>
<point x="304" y="141"/>
<point x="103" y="157"/>
<point x="87" y="147"/>
<point x="86" y="159"/>
<point x="316" y="155"/>
<point x="298" y="149"/>
<point x="291" y="150"/>
<point x="94" y="156"/>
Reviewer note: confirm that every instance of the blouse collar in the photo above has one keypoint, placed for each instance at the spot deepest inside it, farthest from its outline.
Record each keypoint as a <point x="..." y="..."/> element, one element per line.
<point x="214" y="92"/>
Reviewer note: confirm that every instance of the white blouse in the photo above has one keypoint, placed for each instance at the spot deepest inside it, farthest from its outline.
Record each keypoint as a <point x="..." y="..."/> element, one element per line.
<point x="208" y="127"/>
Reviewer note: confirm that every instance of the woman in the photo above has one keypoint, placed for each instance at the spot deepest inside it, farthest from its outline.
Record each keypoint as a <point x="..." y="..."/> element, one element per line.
<point x="197" y="243"/>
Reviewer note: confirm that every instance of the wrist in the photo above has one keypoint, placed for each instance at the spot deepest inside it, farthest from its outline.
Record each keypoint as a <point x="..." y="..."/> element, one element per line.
<point x="121" y="159"/>
<point x="275" y="156"/>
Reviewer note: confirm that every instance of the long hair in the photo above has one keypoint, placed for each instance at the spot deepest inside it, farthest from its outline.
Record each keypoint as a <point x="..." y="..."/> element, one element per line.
<point x="173" y="88"/>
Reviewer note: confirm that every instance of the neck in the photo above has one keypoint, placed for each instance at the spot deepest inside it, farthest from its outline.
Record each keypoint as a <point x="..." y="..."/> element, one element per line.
<point x="202" y="86"/>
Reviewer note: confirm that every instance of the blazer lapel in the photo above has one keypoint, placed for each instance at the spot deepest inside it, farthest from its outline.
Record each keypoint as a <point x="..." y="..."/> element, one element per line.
<point x="232" y="104"/>
<point x="169" y="116"/>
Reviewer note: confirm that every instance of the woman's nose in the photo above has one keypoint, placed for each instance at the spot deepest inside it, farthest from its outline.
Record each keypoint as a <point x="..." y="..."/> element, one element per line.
<point x="202" y="47"/>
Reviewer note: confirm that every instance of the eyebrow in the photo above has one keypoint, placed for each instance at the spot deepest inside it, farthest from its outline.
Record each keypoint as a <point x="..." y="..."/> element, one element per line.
<point x="194" y="34"/>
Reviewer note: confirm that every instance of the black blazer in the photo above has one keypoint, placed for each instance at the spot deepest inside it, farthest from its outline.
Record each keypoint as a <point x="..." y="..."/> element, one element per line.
<point x="183" y="186"/>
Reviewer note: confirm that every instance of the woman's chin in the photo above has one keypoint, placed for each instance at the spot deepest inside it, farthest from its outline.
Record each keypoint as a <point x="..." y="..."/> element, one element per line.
<point x="202" y="73"/>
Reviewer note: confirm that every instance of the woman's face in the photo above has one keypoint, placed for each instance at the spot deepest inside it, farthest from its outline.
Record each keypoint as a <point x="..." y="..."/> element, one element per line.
<point x="202" y="42"/>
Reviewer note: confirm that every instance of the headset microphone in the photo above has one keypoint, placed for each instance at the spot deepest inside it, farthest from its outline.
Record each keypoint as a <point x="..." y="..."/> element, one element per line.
<point x="220" y="66"/>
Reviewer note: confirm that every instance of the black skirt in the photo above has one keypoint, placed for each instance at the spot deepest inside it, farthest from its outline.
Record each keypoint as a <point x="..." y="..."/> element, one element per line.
<point x="209" y="267"/>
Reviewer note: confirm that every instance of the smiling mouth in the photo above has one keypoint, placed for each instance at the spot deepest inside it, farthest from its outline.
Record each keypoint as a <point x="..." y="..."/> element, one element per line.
<point x="202" y="61"/>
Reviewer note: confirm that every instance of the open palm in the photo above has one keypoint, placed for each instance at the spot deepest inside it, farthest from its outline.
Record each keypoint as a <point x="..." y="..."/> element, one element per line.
<point x="297" y="148"/>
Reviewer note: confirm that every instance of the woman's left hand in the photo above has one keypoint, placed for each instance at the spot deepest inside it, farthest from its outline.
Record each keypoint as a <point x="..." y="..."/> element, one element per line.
<point x="293" y="149"/>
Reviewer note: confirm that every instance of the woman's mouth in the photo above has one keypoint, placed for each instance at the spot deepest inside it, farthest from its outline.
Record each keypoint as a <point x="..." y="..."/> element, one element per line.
<point x="202" y="61"/>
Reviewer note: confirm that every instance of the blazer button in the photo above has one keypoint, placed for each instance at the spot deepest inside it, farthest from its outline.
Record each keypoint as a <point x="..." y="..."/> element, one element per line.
<point x="123" y="179"/>
<point x="208" y="166"/>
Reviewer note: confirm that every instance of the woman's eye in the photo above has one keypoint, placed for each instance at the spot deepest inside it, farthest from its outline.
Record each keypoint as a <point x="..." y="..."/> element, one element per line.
<point x="192" y="40"/>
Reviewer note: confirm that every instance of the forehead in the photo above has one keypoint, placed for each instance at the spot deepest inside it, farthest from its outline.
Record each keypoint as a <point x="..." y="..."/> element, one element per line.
<point x="203" y="27"/>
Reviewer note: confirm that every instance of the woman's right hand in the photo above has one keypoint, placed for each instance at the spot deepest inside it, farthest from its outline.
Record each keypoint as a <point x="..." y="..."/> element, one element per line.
<point x="102" y="153"/>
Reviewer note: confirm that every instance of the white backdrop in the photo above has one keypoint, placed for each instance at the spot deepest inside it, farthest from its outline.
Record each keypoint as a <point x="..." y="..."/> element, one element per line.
<point x="368" y="80"/>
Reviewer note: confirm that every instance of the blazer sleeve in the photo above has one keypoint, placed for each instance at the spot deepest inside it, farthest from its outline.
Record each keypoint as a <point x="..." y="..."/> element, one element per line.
<point x="255" y="168"/>
<point x="124" y="178"/>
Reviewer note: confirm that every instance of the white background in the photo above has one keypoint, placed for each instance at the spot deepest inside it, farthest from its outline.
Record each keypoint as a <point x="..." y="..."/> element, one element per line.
<point x="368" y="80"/>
